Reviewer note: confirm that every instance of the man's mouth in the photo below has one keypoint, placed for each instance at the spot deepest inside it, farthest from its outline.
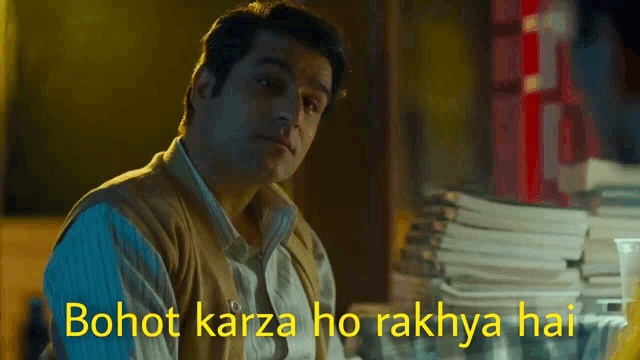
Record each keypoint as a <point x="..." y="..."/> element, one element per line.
<point x="278" y="140"/>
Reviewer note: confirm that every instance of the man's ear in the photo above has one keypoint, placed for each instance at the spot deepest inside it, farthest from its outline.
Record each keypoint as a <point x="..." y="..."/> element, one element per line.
<point x="203" y="83"/>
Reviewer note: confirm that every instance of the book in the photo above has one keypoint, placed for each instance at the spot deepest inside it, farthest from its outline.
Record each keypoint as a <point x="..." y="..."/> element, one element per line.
<point x="467" y="273"/>
<point x="501" y="207"/>
<point x="539" y="296"/>
<point x="429" y="225"/>
<point x="478" y="286"/>
<point x="593" y="269"/>
<point x="480" y="236"/>
<point x="599" y="233"/>
<point x="609" y="291"/>
<point x="497" y="248"/>
<point x="622" y="196"/>
<point x="605" y="280"/>
<point x="418" y="253"/>
<point x="601" y="222"/>
<point x="604" y="257"/>
<point x="594" y="246"/>
<point x="594" y="173"/>
<point x="449" y="257"/>
<point x="513" y="223"/>
<point x="441" y="212"/>
<point x="599" y="244"/>
<point x="419" y="248"/>
<point x="618" y="211"/>
<point x="417" y="268"/>
<point x="610" y="201"/>
<point x="423" y="238"/>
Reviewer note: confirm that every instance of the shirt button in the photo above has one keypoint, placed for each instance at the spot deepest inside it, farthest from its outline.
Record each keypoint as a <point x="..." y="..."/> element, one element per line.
<point x="235" y="307"/>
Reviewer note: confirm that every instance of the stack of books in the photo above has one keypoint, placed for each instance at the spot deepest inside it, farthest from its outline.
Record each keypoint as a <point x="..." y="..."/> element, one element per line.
<point x="492" y="254"/>
<point x="595" y="173"/>
<point x="601" y="267"/>
<point x="611" y="193"/>
<point x="411" y="276"/>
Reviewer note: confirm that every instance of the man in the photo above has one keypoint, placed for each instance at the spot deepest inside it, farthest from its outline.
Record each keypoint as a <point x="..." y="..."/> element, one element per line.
<point x="203" y="230"/>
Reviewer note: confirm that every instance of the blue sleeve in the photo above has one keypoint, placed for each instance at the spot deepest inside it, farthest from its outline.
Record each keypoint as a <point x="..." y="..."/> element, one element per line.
<point x="103" y="260"/>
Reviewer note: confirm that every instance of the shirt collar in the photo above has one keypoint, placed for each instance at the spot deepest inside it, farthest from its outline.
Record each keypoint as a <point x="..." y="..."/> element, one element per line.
<point x="276" y="211"/>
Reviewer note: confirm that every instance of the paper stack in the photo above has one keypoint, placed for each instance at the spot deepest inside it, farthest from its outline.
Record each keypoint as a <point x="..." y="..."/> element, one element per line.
<point x="611" y="193"/>
<point x="494" y="254"/>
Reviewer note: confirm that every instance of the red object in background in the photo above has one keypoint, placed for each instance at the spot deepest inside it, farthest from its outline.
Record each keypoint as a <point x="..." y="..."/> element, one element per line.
<point x="530" y="54"/>
<point x="566" y="140"/>
<point x="529" y="7"/>
<point x="538" y="119"/>
<point x="530" y="171"/>
<point x="530" y="166"/>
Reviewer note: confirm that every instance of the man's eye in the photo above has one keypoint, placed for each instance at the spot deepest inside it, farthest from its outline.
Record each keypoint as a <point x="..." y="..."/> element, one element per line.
<point x="271" y="85"/>
<point x="311" y="105"/>
<point x="265" y="82"/>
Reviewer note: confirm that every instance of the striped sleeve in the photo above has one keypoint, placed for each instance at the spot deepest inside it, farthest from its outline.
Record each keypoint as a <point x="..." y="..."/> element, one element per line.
<point x="327" y="294"/>
<point x="102" y="270"/>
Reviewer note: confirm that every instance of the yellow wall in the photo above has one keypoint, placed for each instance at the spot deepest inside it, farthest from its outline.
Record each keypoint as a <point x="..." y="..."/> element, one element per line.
<point x="25" y="245"/>
<point x="101" y="90"/>
<point x="446" y="75"/>
<point x="8" y="38"/>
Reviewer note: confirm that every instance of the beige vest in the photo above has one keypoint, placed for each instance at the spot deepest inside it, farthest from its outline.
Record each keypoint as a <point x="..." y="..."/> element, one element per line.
<point x="164" y="202"/>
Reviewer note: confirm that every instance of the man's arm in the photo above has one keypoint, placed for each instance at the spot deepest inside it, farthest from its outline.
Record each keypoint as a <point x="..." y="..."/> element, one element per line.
<point x="327" y="296"/>
<point x="102" y="260"/>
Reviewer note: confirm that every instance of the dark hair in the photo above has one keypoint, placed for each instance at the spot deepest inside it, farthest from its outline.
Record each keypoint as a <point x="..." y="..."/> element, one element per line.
<point x="231" y="38"/>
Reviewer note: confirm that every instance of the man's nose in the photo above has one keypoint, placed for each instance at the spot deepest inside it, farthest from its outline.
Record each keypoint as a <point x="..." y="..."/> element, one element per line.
<point x="289" y="112"/>
<point x="285" y="119"/>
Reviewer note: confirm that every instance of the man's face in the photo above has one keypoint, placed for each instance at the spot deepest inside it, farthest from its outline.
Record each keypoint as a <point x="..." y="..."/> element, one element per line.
<point x="260" y="126"/>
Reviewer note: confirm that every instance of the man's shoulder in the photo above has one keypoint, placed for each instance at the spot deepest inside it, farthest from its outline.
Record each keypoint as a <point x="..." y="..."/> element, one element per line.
<point x="143" y="199"/>
<point x="144" y="194"/>
<point x="147" y="185"/>
<point x="145" y="181"/>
